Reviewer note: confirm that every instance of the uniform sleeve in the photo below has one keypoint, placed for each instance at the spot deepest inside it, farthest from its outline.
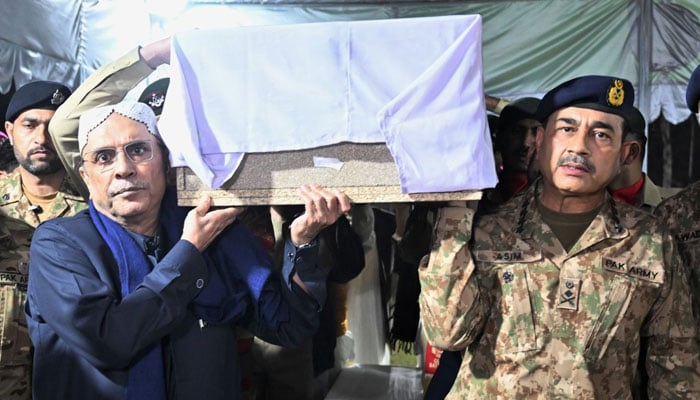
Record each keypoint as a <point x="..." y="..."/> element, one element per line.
<point x="672" y="361"/>
<point x="108" y="85"/>
<point x="69" y="292"/>
<point x="453" y="311"/>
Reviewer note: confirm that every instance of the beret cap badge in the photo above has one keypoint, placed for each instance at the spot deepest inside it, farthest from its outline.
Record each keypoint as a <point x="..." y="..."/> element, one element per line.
<point x="57" y="98"/>
<point x="156" y="99"/>
<point x="616" y="94"/>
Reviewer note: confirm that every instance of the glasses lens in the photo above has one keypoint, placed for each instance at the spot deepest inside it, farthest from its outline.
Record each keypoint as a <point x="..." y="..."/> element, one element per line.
<point x="102" y="157"/>
<point x="139" y="151"/>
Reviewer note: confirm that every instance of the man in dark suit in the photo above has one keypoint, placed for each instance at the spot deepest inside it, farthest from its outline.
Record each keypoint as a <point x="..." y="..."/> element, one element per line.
<point x="138" y="298"/>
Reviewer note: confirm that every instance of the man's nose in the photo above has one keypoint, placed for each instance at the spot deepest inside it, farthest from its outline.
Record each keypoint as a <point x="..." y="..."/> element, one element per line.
<point x="123" y="166"/>
<point x="578" y="143"/>
<point x="41" y="134"/>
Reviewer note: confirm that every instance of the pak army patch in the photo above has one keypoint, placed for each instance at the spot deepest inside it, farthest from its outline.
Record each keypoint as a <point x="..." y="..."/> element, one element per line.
<point x="619" y="266"/>
<point x="625" y="268"/>
<point x="569" y="291"/>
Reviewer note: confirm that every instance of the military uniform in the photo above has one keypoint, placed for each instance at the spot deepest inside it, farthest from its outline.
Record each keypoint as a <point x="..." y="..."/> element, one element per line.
<point x="540" y="322"/>
<point x="14" y="203"/>
<point x="681" y="214"/>
<point x="15" y="357"/>
<point x="652" y="194"/>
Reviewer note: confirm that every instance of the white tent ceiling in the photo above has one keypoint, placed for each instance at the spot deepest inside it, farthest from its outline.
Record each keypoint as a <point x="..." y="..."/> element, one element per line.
<point x="529" y="46"/>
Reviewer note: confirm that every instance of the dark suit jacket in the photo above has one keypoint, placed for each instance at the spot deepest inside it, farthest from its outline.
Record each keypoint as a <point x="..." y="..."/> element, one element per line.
<point x="86" y="335"/>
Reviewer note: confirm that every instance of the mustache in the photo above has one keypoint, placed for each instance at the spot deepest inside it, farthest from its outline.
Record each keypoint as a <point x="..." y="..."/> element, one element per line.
<point x="123" y="187"/>
<point x="40" y="149"/>
<point x="576" y="159"/>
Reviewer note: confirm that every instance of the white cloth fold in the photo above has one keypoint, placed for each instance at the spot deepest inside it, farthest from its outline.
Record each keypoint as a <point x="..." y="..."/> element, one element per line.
<point x="415" y="84"/>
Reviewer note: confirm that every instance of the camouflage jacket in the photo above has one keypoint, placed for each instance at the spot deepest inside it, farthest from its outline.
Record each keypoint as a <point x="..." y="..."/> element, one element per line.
<point x="15" y="237"/>
<point x="538" y="322"/>
<point x="681" y="214"/>
<point x="14" y="203"/>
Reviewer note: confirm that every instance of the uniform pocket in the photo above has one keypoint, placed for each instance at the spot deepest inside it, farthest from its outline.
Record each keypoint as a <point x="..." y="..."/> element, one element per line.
<point x="516" y="332"/>
<point x="609" y="319"/>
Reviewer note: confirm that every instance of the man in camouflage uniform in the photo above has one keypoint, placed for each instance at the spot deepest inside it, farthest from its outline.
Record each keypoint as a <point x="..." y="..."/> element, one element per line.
<point x="632" y="185"/>
<point x="552" y="293"/>
<point x="15" y="357"/>
<point x="38" y="189"/>
<point x="681" y="213"/>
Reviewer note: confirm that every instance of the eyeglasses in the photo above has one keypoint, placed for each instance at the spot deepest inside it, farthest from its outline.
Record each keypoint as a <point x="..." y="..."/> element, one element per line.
<point x="138" y="152"/>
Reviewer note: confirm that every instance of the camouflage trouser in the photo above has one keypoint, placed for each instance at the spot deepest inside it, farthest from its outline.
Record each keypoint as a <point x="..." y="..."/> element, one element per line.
<point x="14" y="383"/>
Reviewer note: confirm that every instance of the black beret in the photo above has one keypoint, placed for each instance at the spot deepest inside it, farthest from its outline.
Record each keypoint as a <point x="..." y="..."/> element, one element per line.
<point x="517" y="110"/>
<point x="692" y="93"/>
<point x="44" y="95"/>
<point x="602" y="93"/>
<point x="154" y="95"/>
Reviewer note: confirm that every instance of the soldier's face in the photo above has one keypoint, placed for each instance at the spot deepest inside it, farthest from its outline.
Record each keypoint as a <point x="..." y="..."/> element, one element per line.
<point x="520" y="147"/>
<point x="128" y="192"/>
<point x="33" y="148"/>
<point x="580" y="150"/>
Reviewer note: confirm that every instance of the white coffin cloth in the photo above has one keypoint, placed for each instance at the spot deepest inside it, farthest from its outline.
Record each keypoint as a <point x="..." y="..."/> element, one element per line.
<point x="415" y="84"/>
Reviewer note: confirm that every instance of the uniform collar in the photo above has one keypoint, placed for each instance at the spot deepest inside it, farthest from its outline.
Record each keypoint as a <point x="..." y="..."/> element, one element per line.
<point x="11" y="189"/>
<point x="605" y="225"/>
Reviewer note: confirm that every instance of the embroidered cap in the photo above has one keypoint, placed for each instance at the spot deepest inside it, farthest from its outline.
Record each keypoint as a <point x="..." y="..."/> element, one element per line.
<point x="603" y="93"/>
<point x="692" y="93"/>
<point x="45" y="95"/>
<point x="136" y="111"/>
<point x="154" y="95"/>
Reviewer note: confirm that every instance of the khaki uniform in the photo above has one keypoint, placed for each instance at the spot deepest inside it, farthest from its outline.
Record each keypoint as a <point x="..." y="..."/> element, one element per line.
<point x="681" y="214"/>
<point x="652" y="195"/>
<point x="16" y="229"/>
<point x="540" y="323"/>
<point x="14" y="203"/>
<point x="15" y="357"/>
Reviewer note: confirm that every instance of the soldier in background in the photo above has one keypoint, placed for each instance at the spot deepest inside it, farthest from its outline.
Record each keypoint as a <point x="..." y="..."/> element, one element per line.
<point x="551" y="294"/>
<point x="681" y="213"/>
<point x="15" y="355"/>
<point x="38" y="190"/>
<point x="632" y="185"/>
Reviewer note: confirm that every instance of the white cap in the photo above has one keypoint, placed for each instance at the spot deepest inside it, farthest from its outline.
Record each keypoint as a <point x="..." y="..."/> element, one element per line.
<point x="136" y="111"/>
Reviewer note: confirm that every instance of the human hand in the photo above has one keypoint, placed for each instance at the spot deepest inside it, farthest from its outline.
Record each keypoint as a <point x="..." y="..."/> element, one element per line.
<point x="322" y="208"/>
<point x="203" y="225"/>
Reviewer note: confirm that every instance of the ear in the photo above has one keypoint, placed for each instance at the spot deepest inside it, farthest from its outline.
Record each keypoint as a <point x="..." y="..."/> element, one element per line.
<point x="84" y="175"/>
<point x="10" y="130"/>
<point x="538" y="138"/>
<point x="630" y="152"/>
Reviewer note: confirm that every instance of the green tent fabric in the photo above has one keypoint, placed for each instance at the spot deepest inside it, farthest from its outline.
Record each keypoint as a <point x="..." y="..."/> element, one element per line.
<point x="529" y="46"/>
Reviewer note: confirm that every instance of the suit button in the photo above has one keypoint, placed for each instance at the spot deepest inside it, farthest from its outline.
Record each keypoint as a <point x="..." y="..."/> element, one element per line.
<point x="199" y="283"/>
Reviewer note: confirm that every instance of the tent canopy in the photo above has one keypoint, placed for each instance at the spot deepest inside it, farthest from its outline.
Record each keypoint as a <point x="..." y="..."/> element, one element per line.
<point x="528" y="46"/>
